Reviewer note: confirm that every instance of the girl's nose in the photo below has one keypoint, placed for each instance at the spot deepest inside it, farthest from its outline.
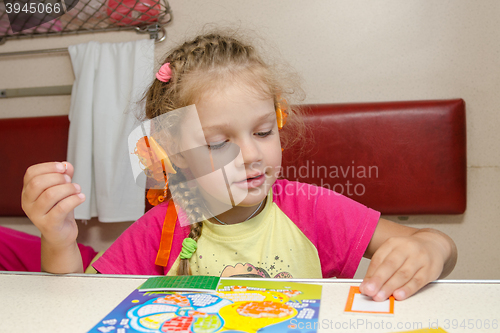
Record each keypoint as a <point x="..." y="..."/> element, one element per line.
<point x="250" y="151"/>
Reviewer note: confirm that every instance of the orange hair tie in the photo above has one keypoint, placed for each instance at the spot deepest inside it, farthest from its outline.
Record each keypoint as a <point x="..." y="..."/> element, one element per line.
<point x="281" y="112"/>
<point x="157" y="165"/>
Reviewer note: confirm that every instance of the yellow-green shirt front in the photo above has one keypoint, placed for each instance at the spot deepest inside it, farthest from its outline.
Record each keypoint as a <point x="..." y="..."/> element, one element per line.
<point x="304" y="231"/>
<point x="268" y="245"/>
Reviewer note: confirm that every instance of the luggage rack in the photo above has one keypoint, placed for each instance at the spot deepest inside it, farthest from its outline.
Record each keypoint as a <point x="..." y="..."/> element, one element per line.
<point x="87" y="16"/>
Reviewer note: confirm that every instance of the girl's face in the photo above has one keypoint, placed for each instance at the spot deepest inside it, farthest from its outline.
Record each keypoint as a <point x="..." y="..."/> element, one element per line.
<point x="241" y="116"/>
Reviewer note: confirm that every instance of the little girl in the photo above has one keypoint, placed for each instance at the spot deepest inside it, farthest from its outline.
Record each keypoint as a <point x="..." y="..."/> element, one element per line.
<point x="276" y="229"/>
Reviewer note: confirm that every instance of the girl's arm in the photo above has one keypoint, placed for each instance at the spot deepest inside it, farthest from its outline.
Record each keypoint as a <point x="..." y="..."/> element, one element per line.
<point x="404" y="259"/>
<point x="48" y="199"/>
<point x="61" y="259"/>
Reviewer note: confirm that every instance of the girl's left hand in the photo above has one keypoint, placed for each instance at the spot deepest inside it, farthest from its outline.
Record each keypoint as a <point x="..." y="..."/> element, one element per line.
<point x="404" y="259"/>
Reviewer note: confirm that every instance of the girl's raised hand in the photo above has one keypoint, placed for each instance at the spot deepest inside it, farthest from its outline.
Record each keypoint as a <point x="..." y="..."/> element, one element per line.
<point x="404" y="259"/>
<point x="48" y="199"/>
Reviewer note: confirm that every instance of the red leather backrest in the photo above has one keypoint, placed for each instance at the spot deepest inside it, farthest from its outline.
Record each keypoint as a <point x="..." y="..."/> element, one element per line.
<point x="24" y="142"/>
<point x="407" y="157"/>
<point x="399" y="158"/>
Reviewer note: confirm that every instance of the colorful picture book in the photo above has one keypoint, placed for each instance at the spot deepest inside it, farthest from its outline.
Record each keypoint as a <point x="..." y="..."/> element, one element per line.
<point x="234" y="305"/>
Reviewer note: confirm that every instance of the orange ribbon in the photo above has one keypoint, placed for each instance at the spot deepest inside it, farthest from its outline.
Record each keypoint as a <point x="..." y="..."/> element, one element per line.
<point x="167" y="235"/>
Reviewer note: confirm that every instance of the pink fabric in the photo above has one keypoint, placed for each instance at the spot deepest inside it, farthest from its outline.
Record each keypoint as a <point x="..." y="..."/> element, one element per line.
<point x="339" y="228"/>
<point x="134" y="252"/>
<point x="20" y="251"/>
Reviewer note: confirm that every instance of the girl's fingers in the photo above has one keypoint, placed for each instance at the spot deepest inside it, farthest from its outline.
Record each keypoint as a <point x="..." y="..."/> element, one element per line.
<point x="401" y="277"/>
<point x="45" y="168"/>
<point x="64" y="207"/>
<point x="370" y="285"/>
<point x="417" y="282"/>
<point x="41" y="176"/>
<point x="52" y="195"/>
<point x="41" y="183"/>
<point x="391" y="264"/>
<point x="377" y="259"/>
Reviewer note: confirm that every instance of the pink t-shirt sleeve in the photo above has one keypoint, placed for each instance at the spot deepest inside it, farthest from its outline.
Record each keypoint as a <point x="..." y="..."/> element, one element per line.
<point x="339" y="227"/>
<point x="134" y="252"/>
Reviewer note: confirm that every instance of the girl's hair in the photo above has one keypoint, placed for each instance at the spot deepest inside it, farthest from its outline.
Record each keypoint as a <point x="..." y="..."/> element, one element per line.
<point x="207" y="64"/>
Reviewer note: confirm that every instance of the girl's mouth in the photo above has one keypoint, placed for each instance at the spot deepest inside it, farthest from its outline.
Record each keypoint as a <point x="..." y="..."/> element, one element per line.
<point x="251" y="182"/>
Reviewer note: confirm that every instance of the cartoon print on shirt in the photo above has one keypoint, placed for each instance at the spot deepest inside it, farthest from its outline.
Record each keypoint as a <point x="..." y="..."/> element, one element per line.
<point x="249" y="270"/>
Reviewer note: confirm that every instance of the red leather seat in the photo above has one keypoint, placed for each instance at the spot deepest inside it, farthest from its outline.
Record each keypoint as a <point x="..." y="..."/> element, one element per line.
<point x="399" y="158"/>
<point x="408" y="157"/>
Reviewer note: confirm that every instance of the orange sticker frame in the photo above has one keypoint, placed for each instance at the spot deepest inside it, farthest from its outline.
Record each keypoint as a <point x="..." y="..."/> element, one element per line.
<point x="350" y="300"/>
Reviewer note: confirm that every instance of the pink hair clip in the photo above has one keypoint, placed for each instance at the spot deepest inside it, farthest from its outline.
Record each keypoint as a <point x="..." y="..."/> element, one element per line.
<point x="165" y="73"/>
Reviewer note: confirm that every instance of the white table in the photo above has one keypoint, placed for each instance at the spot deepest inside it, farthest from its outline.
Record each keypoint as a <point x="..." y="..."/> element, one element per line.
<point x="38" y="302"/>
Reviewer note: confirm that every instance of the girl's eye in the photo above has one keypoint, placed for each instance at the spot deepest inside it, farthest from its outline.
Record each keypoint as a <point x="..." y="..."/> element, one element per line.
<point x="214" y="146"/>
<point x="264" y="134"/>
<point x="220" y="145"/>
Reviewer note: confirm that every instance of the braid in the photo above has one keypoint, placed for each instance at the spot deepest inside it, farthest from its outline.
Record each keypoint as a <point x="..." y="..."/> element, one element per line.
<point x="195" y="233"/>
<point x="186" y="197"/>
<point x="191" y="204"/>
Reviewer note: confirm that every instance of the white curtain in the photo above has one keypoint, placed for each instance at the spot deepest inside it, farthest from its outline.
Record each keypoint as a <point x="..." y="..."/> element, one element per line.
<point x="110" y="79"/>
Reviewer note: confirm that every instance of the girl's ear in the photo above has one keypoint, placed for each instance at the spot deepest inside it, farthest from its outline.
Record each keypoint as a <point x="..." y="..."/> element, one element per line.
<point x="177" y="159"/>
